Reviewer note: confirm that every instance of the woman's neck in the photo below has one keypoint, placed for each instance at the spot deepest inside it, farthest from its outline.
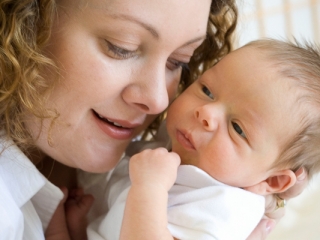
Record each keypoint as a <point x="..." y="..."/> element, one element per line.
<point x="57" y="173"/>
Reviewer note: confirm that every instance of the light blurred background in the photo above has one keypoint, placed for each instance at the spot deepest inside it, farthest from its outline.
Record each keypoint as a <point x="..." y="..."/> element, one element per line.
<point x="281" y="19"/>
<point x="285" y="19"/>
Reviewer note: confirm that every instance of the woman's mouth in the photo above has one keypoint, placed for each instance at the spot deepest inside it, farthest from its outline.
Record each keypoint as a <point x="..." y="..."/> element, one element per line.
<point x="109" y="121"/>
<point x="113" y="128"/>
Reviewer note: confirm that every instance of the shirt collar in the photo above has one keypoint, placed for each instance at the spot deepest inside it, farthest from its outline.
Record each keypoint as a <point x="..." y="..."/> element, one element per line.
<point x="26" y="183"/>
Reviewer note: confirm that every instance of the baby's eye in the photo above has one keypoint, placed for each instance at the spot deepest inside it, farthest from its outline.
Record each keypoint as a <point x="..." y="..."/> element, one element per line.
<point x="207" y="92"/>
<point x="238" y="129"/>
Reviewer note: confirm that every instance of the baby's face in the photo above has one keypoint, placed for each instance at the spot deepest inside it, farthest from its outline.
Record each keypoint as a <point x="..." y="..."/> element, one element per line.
<point x="234" y="121"/>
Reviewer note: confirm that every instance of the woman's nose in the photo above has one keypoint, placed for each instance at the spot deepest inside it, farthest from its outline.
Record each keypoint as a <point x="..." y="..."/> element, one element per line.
<point x="148" y="91"/>
<point x="208" y="116"/>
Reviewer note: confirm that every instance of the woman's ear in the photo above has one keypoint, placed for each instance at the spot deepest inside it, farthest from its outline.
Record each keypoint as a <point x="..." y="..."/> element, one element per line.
<point x="278" y="182"/>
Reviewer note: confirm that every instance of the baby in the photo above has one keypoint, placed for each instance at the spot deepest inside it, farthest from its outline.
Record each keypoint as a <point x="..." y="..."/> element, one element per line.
<point x="238" y="133"/>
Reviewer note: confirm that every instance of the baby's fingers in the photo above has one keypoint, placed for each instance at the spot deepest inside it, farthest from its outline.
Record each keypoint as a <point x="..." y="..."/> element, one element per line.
<point x="86" y="202"/>
<point x="262" y="230"/>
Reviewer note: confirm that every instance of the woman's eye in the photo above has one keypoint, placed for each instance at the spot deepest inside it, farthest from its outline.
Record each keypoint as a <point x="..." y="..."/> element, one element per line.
<point x="174" y="65"/>
<point x="118" y="52"/>
<point x="207" y="92"/>
<point x="238" y="129"/>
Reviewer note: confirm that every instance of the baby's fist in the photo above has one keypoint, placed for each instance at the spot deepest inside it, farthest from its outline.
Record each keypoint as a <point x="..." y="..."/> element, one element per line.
<point x="156" y="167"/>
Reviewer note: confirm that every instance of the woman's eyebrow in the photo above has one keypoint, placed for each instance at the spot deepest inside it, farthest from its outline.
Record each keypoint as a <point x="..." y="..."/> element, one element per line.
<point x="194" y="40"/>
<point x="150" y="28"/>
<point x="146" y="26"/>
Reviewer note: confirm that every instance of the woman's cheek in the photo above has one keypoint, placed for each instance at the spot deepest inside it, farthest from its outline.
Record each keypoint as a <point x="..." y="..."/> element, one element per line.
<point x="173" y="86"/>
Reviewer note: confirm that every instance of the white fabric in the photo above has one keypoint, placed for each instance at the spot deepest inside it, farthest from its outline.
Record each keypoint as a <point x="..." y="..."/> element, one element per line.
<point x="107" y="226"/>
<point x="199" y="207"/>
<point x="27" y="198"/>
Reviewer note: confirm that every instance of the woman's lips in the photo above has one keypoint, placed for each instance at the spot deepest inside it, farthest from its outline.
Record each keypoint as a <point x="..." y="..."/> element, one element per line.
<point x="185" y="140"/>
<point x="117" y="129"/>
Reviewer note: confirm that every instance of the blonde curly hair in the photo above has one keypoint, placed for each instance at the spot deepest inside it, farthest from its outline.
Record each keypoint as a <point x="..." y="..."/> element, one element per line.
<point x="25" y="27"/>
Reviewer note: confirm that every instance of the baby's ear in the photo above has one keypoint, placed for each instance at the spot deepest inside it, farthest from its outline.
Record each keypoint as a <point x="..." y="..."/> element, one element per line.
<point x="278" y="182"/>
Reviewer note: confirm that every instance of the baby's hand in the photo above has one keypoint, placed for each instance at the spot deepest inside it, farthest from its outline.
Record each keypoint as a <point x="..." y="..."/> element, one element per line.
<point x="154" y="168"/>
<point x="77" y="207"/>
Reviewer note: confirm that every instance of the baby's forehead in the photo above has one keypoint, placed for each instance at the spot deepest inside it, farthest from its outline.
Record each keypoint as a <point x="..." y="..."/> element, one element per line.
<point x="281" y="95"/>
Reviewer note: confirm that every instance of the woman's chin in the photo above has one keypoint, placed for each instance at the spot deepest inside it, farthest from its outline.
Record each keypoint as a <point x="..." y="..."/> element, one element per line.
<point x="104" y="164"/>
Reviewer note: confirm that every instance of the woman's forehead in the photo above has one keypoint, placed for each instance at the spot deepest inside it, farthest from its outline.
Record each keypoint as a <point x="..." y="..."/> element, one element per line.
<point x="192" y="7"/>
<point x="185" y="19"/>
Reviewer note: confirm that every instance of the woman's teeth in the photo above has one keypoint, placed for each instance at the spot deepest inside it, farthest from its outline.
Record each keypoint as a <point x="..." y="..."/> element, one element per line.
<point x="109" y="121"/>
<point x="114" y="123"/>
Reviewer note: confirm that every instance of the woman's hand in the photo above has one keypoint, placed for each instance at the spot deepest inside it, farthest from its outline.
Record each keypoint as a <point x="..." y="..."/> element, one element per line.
<point x="272" y="216"/>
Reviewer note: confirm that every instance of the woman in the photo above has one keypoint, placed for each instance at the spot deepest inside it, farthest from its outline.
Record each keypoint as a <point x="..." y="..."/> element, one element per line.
<point x="80" y="79"/>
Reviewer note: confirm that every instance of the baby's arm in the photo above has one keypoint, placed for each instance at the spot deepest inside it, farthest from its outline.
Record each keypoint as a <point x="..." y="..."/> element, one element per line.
<point x="69" y="220"/>
<point x="152" y="173"/>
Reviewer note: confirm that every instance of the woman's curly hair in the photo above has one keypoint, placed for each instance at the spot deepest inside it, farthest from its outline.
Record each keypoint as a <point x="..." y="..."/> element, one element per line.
<point x="221" y="25"/>
<point x="25" y="27"/>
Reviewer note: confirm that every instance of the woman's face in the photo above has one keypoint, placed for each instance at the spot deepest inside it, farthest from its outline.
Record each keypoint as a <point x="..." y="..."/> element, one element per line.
<point x="120" y="63"/>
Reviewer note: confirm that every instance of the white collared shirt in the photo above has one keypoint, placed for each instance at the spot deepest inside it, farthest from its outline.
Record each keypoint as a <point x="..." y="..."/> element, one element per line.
<point x="27" y="198"/>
